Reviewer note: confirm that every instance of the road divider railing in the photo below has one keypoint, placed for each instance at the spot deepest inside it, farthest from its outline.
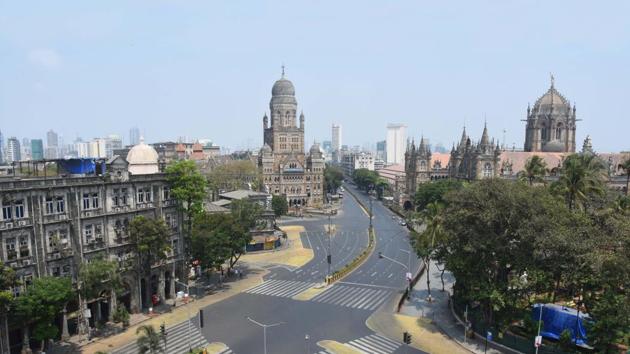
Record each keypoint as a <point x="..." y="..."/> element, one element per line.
<point x="356" y="262"/>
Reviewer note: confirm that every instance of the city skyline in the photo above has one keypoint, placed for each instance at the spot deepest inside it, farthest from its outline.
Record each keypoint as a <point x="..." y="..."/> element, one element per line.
<point x="208" y="77"/>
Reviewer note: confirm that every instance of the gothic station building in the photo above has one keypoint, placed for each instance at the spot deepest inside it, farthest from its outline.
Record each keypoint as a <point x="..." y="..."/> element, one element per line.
<point x="286" y="169"/>
<point x="550" y="124"/>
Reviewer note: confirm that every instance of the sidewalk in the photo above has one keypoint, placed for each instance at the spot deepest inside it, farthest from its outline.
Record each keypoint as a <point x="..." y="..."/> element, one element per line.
<point x="438" y="312"/>
<point x="252" y="278"/>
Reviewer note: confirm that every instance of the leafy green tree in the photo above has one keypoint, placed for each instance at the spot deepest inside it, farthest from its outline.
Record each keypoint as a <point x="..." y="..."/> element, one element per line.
<point x="7" y="282"/>
<point x="233" y="175"/>
<point x="188" y="187"/>
<point x="279" y="205"/>
<point x="333" y="177"/>
<point x="151" y="238"/>
<point x="534" y="170"/>
<point x="211" y="244"/>
<point x="246" y="213"/>
<point x="149" y="340"/>
<point x="425" y="243"/>
<point x="364" y="178"/>
<point x="625" y="166"/>
<point x="581" y="177"/>
<point x="99" y="276"/>
<point x="491" y="231"/>
<point x="434" y="191"/>
<point x="40" y="303"/>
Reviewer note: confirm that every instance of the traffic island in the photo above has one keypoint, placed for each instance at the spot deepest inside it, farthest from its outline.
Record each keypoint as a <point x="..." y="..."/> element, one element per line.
<point x="294" y="255"/>
<point x="356" y="262"/>
<point x="337" y="348"/>
<point x="424" y="335"/>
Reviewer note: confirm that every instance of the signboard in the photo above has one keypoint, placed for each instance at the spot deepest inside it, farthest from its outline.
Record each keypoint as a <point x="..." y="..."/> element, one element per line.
<point x="538" y="341"/>
<point x="489" y="336"/>
<point x="87" y="313"/>
<point x="409" y="276"/>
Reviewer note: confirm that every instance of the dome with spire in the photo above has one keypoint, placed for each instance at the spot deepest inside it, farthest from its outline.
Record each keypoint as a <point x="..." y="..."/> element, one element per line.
<point x="552" y="99"/>
<point x="283" y="87"/>
<point x="143" y="159"/>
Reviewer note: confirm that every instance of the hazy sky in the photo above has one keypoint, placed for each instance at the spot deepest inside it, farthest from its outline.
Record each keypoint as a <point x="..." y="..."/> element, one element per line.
<point x="204" y="69"/>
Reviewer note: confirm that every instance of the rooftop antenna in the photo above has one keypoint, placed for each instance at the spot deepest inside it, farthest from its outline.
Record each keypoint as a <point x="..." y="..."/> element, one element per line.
<point x="282" y="69"/>
<point x="504" y="131"/>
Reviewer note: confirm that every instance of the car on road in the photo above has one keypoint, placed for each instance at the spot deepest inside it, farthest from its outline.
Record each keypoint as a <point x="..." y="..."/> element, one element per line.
<point x="403" y="223"/>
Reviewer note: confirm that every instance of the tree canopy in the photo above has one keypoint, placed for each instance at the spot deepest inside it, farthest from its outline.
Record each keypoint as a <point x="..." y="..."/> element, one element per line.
<point x="333" y="177"/>
<point x="365" y="179"/>
<point x="534" y="170"/>
<point x="188" y="185"/>
<point x="279" y="205"/>
<point x="152" y="240"/>
<point x="434" y="191"/>
<point x="40" y="304"/>
<point x="509" y="244"/>
<point x="98" y="276"/>
<point x="233" y="175"/>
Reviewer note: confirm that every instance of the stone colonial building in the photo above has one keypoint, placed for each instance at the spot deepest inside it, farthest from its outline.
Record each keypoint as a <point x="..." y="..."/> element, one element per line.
<point x="49" y="226"/>
<point x="471" y="161"/>
<point x="550" y="123"/>
<point x="286" y="169"/>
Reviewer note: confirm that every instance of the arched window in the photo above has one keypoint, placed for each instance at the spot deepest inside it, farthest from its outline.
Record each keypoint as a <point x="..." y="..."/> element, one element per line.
<point x="487" y="170"/>
<point x="423" y="165"/>
<point x="559" y="133"/>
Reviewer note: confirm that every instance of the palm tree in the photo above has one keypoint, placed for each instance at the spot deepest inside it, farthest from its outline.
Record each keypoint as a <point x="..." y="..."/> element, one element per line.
<point x="534" y="170"/>
<point x="581" y="175"/>
<point x="149" y="341"/>
<point x="626" y="168"/>
<point x="424" y="243"/>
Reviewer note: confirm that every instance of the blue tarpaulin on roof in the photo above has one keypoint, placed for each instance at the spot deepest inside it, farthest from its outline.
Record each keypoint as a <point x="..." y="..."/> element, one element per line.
<point x="78" y="166"/>
<point x="557" y="318"/>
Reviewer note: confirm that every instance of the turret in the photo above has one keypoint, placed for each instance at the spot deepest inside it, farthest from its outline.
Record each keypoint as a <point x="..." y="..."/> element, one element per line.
<point x="302" y="120"/>
<point x="265" y="121"/>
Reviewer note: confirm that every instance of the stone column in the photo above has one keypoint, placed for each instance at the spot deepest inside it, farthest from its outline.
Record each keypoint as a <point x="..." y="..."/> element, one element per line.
<point x="172" y="286"/>
<point x="147" y="291"/>
<point x="161" y="285"/>
<point x="26" y="347"/>
<point x="113" y="305"/>
<point x="134" y="290"/>
<point x="65" y="334"/>
<point x="97" y="311"/>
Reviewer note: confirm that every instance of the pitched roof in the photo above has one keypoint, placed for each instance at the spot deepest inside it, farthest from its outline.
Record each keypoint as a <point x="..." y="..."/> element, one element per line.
<point x="242" y="194"/>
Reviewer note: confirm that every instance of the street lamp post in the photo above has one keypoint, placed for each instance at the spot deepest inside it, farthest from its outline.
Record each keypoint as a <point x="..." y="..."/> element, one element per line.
<point x="381" y="255"/>
<point x="408" y="271"/>
<point x="264" y="326"/>
<point x="187" y="312"/>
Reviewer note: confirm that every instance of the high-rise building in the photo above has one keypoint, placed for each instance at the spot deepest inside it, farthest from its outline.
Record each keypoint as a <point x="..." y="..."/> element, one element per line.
<point x="381" y="150"/>
<point x="134" y="136"/>
<point x="37" y="149"/>
<point x="13" y="150"/>
<point x="336" y="142"/>
<point x="1" y="148"/>
<point x="26" y="149"/>
<point x="82" y="148"/>
<point x="98" y="148"/>
<point x="52" y="139"/>
<point x="396" y="143"/>
<point x="112" y="142"/>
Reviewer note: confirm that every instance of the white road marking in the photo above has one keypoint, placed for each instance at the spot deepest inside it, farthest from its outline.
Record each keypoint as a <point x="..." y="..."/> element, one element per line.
<point x="373" y="274"/>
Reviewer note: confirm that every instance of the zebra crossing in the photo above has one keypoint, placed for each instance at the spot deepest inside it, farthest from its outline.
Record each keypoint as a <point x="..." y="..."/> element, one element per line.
<point x="281" y="288"/>
<point x="374" y="344"/>
<point x="176" y="340"/>
<point x="352" y="296"/>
